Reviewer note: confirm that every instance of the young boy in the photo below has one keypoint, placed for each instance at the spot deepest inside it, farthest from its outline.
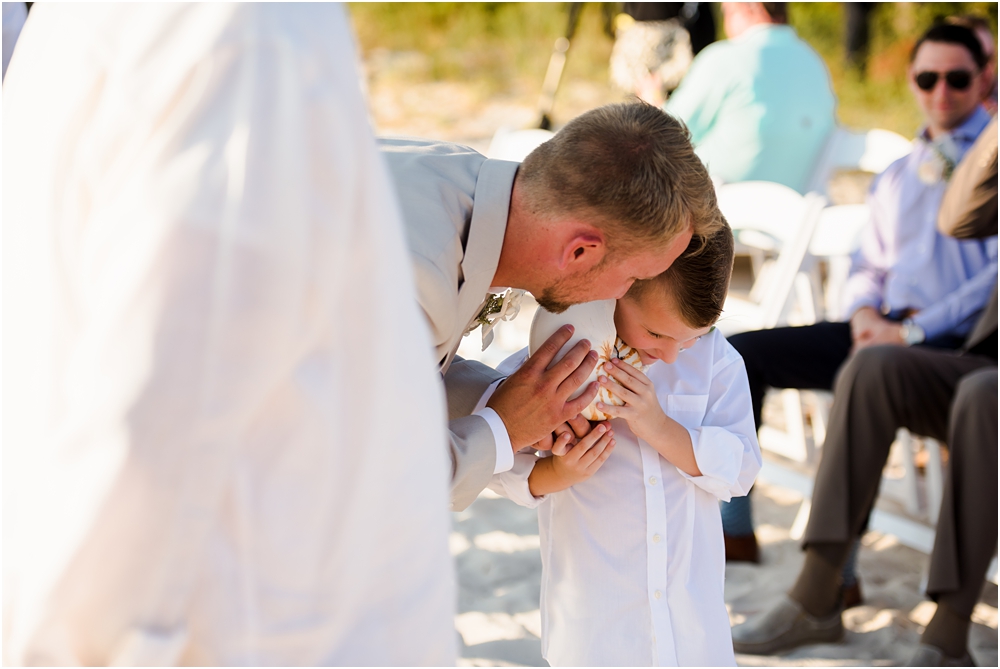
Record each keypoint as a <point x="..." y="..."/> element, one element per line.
<point x="632" y="551"/>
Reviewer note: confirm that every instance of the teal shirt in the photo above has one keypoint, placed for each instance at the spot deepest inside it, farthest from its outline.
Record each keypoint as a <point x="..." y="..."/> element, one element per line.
<point x="759" y="107"/>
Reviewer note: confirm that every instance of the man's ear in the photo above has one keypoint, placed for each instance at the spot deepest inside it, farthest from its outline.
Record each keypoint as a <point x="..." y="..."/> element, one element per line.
<point x="582" y="251"/>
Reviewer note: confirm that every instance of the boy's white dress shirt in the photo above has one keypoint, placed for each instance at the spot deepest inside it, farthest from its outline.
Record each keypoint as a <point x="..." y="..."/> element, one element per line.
<point x="633" y="561"/>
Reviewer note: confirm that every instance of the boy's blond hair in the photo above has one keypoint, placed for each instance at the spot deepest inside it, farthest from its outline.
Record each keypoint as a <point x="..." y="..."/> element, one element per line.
<point x="698" y="280"/>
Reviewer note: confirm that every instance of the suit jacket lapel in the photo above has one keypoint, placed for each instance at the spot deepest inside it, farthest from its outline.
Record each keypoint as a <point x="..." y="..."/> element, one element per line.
<point x="491" y="205"/>
<point x="984" y="328"/>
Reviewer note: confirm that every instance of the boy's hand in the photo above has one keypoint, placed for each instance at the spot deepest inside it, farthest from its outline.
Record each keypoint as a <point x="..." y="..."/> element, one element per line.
<point x="642" y="410"/>
<point x="565" y="435"/>
<point x="644" y="415"/>
<point x="579" y="464"/>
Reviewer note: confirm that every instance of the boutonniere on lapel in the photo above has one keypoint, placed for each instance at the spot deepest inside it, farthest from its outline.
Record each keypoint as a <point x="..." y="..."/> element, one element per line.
<point x="497" y="308"/>
<point x="939" y="166"/>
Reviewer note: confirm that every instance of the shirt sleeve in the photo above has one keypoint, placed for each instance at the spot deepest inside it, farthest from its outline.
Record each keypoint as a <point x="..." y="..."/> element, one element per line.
<point x="725" y="445"/>
<point x="870" y="263"/>
<point x="505" y="452"/>
<point x="964" y="303"/>
<point x="513" y="484"/>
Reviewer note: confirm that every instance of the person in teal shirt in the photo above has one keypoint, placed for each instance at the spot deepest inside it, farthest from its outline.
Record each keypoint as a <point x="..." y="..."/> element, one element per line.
<point x="759" y="104"/>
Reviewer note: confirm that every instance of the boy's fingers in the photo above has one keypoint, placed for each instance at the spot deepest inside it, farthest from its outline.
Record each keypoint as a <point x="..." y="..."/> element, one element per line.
<point x="561" y="445"/>
<point x="602" y="458"/>
<point x="581" y="447"/>
<point x="618" y="390"/>
<point x="585" y="445"/>
<point x="613" y="411"/>
<point x="634" y="375"/>
<point x="590" y="456"/>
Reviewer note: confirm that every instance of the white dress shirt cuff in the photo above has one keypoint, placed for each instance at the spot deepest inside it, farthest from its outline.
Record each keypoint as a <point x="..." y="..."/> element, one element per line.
<point x="718" y="453"/>
<point x="505" y="452"/>
<point x="514" y="484"/>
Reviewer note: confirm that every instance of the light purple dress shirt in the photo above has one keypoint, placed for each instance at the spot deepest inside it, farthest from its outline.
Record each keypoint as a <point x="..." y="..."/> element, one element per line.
<point x="905" y="263"/>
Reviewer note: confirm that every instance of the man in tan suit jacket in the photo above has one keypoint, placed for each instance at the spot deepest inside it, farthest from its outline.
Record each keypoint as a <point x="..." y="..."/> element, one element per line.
<point x="615" y="196"/>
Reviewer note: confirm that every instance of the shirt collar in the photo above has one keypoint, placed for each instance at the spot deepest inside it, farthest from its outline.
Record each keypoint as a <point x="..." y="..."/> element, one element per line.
<point x="964" y="136"/>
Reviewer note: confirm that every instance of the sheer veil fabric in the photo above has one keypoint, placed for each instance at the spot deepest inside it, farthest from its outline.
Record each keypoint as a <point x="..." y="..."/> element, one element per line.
<point x="218" y="447"/>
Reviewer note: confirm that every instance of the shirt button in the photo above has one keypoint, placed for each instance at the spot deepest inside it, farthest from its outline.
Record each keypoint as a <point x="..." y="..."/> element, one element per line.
<point x="657" y="594"/>
<point x="656" y="538"/>
<point x="652" y="480"/>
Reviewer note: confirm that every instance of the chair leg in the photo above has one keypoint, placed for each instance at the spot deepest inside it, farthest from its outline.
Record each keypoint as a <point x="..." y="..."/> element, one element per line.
<point x="798" y="529"/>
<point x="795" y="427"/>
<point x="819" y="415"/>
<point x="838" y="269"/>
<point x="935" y="479"/>
<point x="911" y="498"/>
<point x="803" y="293"/>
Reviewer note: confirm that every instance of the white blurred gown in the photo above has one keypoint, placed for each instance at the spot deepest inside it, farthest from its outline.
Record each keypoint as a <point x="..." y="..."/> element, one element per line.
<point x="209" y="313"/>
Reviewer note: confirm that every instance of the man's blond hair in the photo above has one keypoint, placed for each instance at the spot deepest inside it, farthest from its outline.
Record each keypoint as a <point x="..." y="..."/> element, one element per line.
<point x="628" y="168"/>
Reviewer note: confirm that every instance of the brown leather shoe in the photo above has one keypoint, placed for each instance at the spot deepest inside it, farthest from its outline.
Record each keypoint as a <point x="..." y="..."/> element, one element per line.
<point x="742" y="549"/>
<point x="851" y="596"/>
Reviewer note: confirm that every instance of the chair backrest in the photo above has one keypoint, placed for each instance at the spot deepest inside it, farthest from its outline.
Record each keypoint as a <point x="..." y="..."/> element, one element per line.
<point x="871" y="151"/>
<point x="763" y="213"/>
<point x="781" y="279"/>
<point x="838" y="232"/>
<point x="516" y="144"/>
<point x="754" y="207"/>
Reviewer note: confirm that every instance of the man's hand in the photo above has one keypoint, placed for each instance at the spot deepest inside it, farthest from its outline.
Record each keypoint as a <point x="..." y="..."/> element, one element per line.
<point x="532" y="402"/>
<point x="869" y="328"/>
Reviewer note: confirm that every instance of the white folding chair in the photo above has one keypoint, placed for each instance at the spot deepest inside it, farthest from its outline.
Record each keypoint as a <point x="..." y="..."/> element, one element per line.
<point x="768" y="218"/>
<point x="920" y="498"/>
<point x="837" y="237"/>
<point x="871" y="151"/>
<point x="515" y="145"/>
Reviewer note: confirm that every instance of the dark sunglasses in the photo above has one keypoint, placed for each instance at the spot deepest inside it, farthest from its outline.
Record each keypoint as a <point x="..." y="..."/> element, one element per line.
<point x="957" y="80"/>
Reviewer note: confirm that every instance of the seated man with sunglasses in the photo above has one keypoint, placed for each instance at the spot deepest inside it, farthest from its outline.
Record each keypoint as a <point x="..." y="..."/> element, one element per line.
<point x="911" y="286"/>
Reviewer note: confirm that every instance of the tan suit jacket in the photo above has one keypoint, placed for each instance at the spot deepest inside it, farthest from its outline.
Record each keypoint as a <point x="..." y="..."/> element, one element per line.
<point x="455" y="203"/>
<point x="969" y="211"/>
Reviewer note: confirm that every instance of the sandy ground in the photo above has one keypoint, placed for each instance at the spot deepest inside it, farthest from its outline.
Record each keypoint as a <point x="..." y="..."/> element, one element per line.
<point x="496" y="549"/>
<point x="495" y="542"/>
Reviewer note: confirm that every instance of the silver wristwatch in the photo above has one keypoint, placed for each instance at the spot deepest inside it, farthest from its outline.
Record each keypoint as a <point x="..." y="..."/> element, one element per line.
<point x="911" y="333"/>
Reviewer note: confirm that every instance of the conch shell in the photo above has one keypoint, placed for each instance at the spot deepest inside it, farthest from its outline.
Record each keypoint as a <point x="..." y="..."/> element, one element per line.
<point x="595" y="322"/>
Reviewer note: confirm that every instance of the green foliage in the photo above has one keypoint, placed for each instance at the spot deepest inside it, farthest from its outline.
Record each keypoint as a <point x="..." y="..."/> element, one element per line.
<point x="878" y="96"/>
<point x="504" y="47"/>
<point x="499" y="45"/>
